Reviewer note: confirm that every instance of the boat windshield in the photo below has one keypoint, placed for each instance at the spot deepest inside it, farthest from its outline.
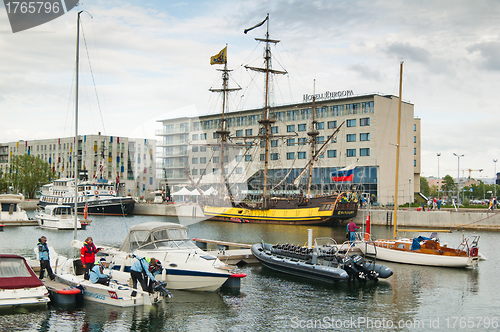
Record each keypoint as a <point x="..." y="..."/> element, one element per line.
<point x="13" y="267"/>
<point x="169" y="245"/>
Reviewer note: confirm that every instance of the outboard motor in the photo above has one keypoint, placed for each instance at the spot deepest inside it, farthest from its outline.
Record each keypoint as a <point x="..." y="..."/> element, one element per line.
<point x="361" y="266"/>
<point x="160" y="287"/>
<point x="351" y="269"/>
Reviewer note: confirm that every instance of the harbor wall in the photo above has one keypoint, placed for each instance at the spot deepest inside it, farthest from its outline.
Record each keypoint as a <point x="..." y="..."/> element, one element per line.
<point x="173" y="210"/>
<point x="435" y="219"/>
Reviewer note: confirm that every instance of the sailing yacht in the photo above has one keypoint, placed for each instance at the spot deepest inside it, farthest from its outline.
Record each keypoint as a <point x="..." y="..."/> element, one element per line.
<point x="420" y="250"/>
<point x="296" y="209"/>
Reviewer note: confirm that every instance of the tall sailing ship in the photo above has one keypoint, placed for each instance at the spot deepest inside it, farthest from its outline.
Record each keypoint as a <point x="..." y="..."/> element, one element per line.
<point x="272" y="206"/>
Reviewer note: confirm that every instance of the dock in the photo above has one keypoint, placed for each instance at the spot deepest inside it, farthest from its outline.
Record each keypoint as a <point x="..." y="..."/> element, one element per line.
<point x="241" y="255"/>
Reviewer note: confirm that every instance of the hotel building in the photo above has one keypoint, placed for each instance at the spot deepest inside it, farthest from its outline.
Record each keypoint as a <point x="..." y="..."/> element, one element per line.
<point x="367" y="139"/>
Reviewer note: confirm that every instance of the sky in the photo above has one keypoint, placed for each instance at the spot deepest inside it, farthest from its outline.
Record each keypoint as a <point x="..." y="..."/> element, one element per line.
<point x="144" y="61"/>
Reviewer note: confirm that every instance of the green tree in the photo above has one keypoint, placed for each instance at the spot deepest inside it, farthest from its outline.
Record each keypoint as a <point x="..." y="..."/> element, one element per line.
<point x="28" y="174"/>
<point x="434" y="191"/>
<point x="424" y="186"/>
<point x="449" y="187"/>
<point x="4" y="185"/>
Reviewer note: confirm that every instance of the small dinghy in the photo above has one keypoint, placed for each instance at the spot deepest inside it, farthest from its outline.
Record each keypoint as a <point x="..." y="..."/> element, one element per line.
<point x="326" y="262"/>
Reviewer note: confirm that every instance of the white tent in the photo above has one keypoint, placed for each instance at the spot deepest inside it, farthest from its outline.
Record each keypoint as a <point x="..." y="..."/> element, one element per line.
<point x="210" y="191"/>
<point x="182" y="192"/>
<point x="195" y="193"/>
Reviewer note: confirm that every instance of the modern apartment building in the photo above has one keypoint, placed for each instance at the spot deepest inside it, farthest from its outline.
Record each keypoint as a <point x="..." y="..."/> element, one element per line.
<point x="367" y="139"/>
<point x="128" y="161"/>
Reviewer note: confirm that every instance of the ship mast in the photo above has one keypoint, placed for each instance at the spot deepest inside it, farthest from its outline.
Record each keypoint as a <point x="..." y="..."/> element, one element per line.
<point x="312" y="134"/>
<point x="266" y="120"/>
<point x="223" y="131"/>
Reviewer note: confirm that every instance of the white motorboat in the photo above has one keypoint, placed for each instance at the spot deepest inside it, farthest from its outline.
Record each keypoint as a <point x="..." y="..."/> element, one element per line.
<point x="58" y="217"/>
<point x="11" y="211"/>
<point x="186" y="266"/>
<point x="19" y="286"/>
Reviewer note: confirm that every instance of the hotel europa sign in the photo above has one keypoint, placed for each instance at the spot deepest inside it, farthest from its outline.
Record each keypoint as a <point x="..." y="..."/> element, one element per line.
<point x="329" y="95"/>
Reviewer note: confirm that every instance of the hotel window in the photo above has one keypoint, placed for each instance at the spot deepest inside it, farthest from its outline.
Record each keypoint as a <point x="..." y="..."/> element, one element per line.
<point x="414" y="163"/>
<point x="320" y="125"/>
<point x="203" y="171"/>
<point x="302" y="127"/>
<point x="414" y="151"/>
<point x="274" y="130"/>
<point x="320" y="139"/>
<point x="239" y="157"/>
<point x="414" y="127"/>
<point x="248" y="132"/>
<point x="367" y="107"/>
<point x="203" y="160"/>
<point x="351" y="152"/>
<point x="203" y="148"/>
<point x="351" y="137"/>
<point x="194" y="149"/>
<point x="194" y="161"/>
<point x="274" y="143"/>
<point x="262" y="157"/>
<point x="351" y="123"/>
<point x="414" y="139"/>
<point x="216" y="160"/>
<point x="302" y="155"/>
<point x="194" y="171"/>
<point x="262" y="144"/>
<point x="197" y="125"/>
<point x="364" y="152"/>
<point x="364" y="136"/>
<point x="332" y="124"/>
<point x="239" y="133"/>
<point x="248" y="157"/>
<point x="195" y="137"/>
<point x="332" y="153"/>
<point x="216" y="135"/>
<point x="239" y="170"/>
<point x="290" y="142"/>
<point x="290" y="155"/>
<point x="290" y="128"/>
<point x="364" y="122"/>
<point x="274" y="156"/>
<point x="203" y="136"/>
<point x="302" y="141"/>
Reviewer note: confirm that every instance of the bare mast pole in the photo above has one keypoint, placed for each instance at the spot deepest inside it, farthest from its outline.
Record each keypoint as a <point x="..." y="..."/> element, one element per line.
<point x="397" y="152"/>
<point x="75" y="149"/>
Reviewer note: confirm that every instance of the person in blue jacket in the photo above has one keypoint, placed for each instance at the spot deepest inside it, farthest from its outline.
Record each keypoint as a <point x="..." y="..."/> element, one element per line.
<point x="97" y="275"/>
<point x="140" y="272"/>
<point x="43" y="256"/>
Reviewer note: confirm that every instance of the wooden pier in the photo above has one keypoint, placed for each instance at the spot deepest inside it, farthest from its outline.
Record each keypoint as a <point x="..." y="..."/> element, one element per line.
<point x="240" y="255"/>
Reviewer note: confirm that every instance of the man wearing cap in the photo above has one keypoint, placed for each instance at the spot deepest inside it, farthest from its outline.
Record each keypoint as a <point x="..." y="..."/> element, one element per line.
<point x="140" y="271"/>
<point x="97" y="275"/>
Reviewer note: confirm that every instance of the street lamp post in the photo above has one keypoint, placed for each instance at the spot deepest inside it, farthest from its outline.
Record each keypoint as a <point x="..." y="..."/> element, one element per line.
<point x="409" y="194"/>
<point x="458" y="175"/>
<point x="439" y="179"/>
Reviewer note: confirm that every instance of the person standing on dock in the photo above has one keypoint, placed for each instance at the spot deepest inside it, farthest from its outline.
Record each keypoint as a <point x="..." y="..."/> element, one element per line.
<point x="139" y="272"/>
<point x="87" y="256"/>
<point x="43" y="256"/>
<point x="351" y="228"/>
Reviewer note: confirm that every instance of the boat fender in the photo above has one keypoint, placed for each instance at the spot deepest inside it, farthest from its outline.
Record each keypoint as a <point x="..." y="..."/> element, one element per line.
<point x="96" y="193"/>
<point x="473" y="252"/>
<point x="111" y="192"/>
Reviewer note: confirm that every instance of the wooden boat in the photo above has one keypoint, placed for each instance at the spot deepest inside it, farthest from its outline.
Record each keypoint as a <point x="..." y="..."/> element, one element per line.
<point x="19" y="286"/>
<point x="420" y="250"/>
<point x="303" y="209"/>
<point x="326" y="262"/>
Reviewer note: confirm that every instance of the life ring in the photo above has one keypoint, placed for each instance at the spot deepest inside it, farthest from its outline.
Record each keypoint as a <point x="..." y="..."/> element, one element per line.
<point x="111" y="192"/>
<point x="96" y="193"/>
<point x="473" y="252"/>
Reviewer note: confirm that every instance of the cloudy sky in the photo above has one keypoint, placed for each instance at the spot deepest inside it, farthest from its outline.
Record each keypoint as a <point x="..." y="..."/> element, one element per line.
<point x="150" y="61"/>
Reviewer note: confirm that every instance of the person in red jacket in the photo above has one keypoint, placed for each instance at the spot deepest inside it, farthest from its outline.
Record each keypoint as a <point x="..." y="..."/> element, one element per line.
<point x="88" y="252"/>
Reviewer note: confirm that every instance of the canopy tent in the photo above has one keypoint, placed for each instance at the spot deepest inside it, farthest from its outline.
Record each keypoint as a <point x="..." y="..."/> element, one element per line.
<point x="182" y="192"/>
<point x="195" y="193"/>
<point x="210" y="191"/>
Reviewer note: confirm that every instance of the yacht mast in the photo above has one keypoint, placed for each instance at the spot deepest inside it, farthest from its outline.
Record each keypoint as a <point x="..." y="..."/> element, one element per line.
<point x="75" y="149"/>
<point x="397" y="152"/>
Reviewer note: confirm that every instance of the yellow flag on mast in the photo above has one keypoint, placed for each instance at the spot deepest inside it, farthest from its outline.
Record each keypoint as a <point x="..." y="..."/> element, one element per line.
<point x="220" y="58"/>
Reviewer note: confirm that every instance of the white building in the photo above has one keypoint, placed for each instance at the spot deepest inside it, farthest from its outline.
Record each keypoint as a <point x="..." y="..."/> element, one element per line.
<point x="367" y="139"/>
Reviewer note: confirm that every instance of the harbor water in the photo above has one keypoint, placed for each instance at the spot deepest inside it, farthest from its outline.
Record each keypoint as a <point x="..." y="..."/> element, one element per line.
<point x="415" y="298"/>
